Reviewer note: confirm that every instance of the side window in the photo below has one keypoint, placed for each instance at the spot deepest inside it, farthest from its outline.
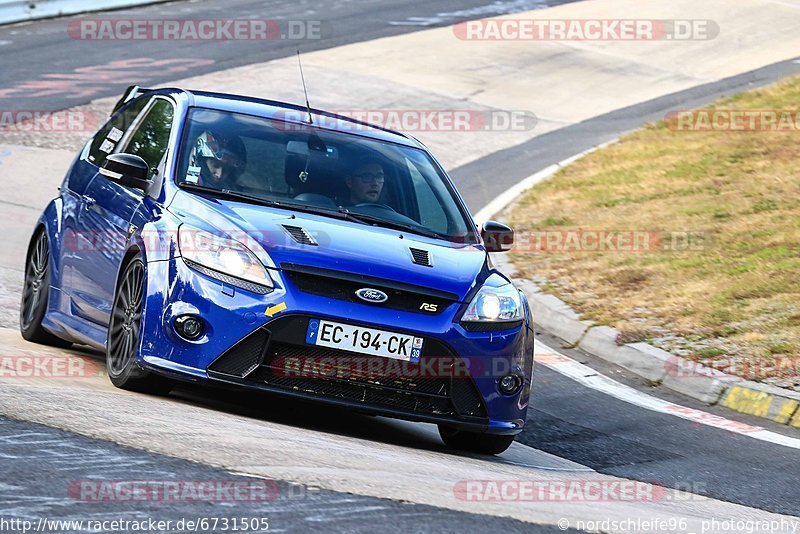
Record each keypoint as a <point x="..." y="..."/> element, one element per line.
<point x="107" y="138"/>
<point x="431" y="213"/>
<point x="151" y="138"/>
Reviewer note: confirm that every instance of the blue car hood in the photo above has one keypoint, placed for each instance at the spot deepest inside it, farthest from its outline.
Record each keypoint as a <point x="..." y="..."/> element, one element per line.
<point x="341" y="245"/>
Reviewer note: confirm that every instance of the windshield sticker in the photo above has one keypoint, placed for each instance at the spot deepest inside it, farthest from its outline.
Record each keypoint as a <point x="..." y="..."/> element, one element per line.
<point x="193" y="175"/>
<point x="114" y="135"/>
<point x="107" y="147"/>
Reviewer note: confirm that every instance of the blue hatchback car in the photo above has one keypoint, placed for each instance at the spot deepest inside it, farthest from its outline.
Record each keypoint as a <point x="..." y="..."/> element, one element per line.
<point x="221" y="239"/>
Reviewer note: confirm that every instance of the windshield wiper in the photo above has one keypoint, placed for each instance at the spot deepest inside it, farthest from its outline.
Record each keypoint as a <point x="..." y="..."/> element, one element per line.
<point x="371" y="219"/>
<point x="233" y="195"/>
<point x="338" y="213"/>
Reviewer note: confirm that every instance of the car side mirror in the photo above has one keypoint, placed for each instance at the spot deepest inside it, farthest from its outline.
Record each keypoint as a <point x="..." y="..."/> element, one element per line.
<point x="128" y="170"/>
<point x="497" y="237"/>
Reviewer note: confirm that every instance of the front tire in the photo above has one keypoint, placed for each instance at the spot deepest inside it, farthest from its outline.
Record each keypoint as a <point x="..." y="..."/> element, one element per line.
<point x="35" y="293"/>
<point x="480" y="443"/>
<point x="123" y="336"/>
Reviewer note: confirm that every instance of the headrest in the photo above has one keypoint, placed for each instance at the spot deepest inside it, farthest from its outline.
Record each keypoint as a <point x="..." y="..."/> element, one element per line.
<point x="313" y="174"/>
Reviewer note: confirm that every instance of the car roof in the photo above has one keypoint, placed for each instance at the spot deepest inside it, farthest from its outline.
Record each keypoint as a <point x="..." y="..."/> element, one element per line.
<point x="273" y="109"/>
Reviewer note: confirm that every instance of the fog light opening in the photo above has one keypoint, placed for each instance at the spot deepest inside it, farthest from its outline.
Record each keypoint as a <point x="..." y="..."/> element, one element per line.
<point x="189" y="327"/>
<point x="509" y="384"/>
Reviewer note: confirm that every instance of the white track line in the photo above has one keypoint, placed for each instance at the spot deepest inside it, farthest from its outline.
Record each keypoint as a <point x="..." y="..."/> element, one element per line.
<point x="590" y="378"/>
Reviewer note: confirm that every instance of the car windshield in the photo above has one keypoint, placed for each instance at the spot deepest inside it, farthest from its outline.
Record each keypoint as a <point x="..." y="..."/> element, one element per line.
<point x="304" y="167"/>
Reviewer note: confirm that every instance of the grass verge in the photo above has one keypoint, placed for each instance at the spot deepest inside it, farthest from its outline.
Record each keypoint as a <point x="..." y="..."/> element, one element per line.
<point x="716" y="275"/>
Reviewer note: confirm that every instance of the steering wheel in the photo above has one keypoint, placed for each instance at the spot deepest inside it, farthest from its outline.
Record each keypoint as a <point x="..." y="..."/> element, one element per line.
<point x="374" y="205"/>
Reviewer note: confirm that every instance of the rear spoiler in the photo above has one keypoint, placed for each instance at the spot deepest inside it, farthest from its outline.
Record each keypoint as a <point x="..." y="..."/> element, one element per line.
<point x="130" y="93"/>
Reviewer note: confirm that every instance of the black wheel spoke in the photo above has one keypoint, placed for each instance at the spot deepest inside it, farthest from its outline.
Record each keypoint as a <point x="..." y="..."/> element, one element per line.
<point x="29" y="309"/>
<point x="126" y="345"/>
<point x="36" y="261"/>
<point x="36" y="281"/>
<point x="36" y="297"/>
<point x="126" y="319"/>
<point x="116" y="337"/>
<point x="40" y="256"/>
<point x="123" y="350"/>
<point x="118" y="315"/>
<point x="134" y="336"/>
<point x="136" y="299"/>
<point x="131" y="344"/>
<point x="124" y="298"/>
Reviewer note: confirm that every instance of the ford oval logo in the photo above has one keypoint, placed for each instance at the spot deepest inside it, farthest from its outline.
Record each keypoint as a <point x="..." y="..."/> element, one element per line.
<point x="372" y="295"/>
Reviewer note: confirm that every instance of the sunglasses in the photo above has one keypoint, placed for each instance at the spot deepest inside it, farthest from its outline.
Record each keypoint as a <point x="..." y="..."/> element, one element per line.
<point x="369" y="177"/>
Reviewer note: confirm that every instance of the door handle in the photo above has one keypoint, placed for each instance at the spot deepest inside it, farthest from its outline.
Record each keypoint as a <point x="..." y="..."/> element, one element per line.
<point x="88" y="201"/>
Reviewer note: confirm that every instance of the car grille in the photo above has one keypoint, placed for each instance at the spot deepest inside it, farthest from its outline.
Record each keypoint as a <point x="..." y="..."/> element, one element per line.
<point x="343" y="286"/>
<point x="438" y="385"/>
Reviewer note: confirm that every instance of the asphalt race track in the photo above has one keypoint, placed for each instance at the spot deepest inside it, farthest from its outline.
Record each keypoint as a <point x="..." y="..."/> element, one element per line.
<point x="43" y="50"/>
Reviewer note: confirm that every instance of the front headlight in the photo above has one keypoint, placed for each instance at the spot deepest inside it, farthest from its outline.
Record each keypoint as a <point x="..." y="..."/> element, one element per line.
<point x="224" y="259"/>
<point x="494" y="304"/>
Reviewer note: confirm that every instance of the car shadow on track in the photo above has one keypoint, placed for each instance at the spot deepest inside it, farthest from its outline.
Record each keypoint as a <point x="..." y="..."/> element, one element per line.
<point x="303" y="414"/>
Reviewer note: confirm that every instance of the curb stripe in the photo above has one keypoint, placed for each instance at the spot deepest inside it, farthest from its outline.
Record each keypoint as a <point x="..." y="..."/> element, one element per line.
<point x="590" y="378"/>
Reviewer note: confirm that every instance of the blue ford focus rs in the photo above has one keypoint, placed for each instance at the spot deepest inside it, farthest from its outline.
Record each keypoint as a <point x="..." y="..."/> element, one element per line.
<point x="221" y="239"/>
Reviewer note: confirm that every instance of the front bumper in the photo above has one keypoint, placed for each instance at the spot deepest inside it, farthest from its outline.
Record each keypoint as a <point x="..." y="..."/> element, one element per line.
<point x="243" y="346"/>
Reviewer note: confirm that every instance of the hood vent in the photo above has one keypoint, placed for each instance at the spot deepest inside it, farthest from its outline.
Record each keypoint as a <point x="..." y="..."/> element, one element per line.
<point x="421" y="257"/>
<point x="300" y="235"/>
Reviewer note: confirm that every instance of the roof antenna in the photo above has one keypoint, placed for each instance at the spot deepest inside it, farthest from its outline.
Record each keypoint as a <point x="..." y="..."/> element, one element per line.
<point x="305" y="91"/>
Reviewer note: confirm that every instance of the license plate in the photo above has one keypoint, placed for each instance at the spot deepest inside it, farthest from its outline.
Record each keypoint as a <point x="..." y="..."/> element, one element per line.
<point x="364" y="340"/>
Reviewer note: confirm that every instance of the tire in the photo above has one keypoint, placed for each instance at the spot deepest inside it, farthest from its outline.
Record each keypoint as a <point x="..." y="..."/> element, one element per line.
<point x="35" y="293"/>
<point x="123" y="336"/>
<point x="480" y="443"/>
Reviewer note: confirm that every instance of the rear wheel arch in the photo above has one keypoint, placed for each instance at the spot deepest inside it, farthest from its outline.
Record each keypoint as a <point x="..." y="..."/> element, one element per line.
<point x="36" y="302"/>
<point x="40" y="227"/>
<point x="51" y="223"/>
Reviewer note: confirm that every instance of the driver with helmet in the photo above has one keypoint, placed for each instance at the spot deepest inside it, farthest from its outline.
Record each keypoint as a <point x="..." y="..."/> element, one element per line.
<point x="217" y="160"/>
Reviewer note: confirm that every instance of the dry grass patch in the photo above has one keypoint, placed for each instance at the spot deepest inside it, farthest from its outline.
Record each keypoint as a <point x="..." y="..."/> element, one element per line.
<point x="736" y="288"/>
